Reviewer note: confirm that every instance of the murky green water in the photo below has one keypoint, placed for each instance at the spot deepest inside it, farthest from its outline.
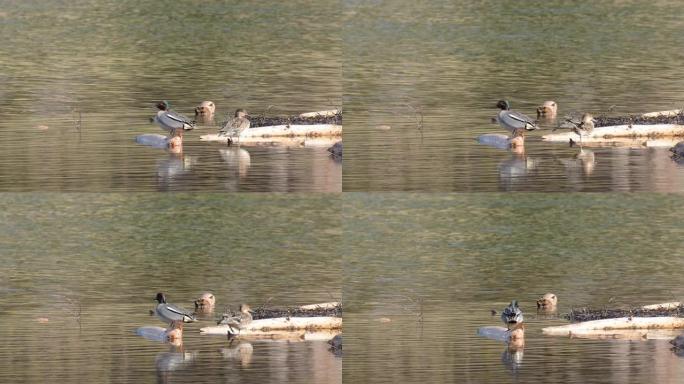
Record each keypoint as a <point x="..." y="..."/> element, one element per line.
<point x="111" y="61"/>
<point x="423" y="272"/>
<point x="91" y="265"/>
<point x="452" y="60"/>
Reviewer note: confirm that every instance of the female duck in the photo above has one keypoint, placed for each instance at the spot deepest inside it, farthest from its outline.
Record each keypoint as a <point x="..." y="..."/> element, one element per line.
<point x="239" y="321"/>
<point x="547" y="302"/>
<point x="547" y="110"/>
<point x="235" y="126"/>
<point x="205" y="302"/>
<point x="205" y="111"/>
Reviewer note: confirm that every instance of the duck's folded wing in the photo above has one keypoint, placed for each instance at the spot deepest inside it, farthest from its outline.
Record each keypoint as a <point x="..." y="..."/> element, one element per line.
<point x="517" y="120"/>
<point x="173" y="312"/>
<point x="174" y="120"/>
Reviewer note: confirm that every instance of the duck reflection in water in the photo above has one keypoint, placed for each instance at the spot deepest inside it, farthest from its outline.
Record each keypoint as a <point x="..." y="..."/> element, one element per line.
<point x="174" y="166"/>
<point x="582" y="163"/>
<point x="238" y="350"/>
<point x="237" y="158"/>
<point x="514" y="170"/>
<point x="166" y="363"/>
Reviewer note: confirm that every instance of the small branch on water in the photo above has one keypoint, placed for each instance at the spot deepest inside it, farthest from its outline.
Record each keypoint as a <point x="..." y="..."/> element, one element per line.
<point x="418" y="113"/>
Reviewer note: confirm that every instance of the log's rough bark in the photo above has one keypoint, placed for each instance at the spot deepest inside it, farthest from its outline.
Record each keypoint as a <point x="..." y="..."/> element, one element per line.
<point x="671" y="305"/>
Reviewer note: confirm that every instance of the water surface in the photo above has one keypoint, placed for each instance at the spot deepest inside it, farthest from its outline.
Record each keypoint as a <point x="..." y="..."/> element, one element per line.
<point x="423" y="272"/>
<point x="79" y="81"/>
<point x="79" y="272"/>
<point x="433" y="71"/>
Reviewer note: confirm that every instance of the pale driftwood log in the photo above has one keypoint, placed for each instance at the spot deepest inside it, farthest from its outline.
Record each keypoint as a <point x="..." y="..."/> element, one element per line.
<point x="670" y="305"/>
<point x="329" y="305"/>
<point x="269" y="132"/>
<point x="281" y="324"/>
<point x="626" y="334"/>
<point x="326" y="113"/>
<point x="611" y="133"/>
<point x="671" y="112"/>
<point x="622" y="323"/>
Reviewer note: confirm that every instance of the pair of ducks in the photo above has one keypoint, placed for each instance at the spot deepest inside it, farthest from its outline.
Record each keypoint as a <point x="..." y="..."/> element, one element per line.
<point x="512" y="315"/>
<point x="176" y="124"/>
<point x="175" y="316"/>
<point x="518" y="123"/>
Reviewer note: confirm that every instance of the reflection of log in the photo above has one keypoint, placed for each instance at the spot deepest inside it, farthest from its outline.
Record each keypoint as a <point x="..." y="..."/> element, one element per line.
<point x="280" y="324"/>
<point x="622" y="323"/>
<point x="264" y="133"/>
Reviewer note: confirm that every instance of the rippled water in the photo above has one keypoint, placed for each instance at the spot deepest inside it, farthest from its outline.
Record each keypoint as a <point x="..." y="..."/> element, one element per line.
<point x="90" y="264"/>
<point x="448" y="62"/>
<point x="106" y="63"/>
<point x="423" y="272"/>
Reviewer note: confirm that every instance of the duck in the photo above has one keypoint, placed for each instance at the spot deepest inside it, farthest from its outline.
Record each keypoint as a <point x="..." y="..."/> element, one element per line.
<point x="205" y="302"/>
<point x="583" y="127"/>
<point x="235" y="126"/>
<point x="547" y="302"/>
<point x="239" y="321"/>
<point x="548" y="109"/>
<point x="170" y="313"/>
<point x="512" y="315"/>
<point x="514" y="122"/>
<point x="171" y="121"/>
<point x="205" y="111"/>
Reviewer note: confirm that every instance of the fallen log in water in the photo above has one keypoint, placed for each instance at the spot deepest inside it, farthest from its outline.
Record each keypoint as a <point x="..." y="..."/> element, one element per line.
<point x="264" y="326"/>
<point x="663" y="306"/>
<point x="668" y="113"/>
<point x="328" y="305"/>
<point x="626" y="334"/>
<point x="623" y="323"/>
<point x="258" y="134"/>
<point x="616" y="132"/>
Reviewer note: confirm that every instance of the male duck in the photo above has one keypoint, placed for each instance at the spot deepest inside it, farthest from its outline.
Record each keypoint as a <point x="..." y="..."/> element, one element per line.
<point x="171" y="121"/>
<point x="170" y="313"/>
<point x="235" y="126"/>
<point x="514" y="122"/>
<point x="512" y="315"/>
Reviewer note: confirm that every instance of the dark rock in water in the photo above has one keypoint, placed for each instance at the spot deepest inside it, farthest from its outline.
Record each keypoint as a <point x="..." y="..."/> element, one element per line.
<point x="587" y="314"/>
<point x="269" y="313"/>
<point x="678" y="151"/>
<point x="336" y="149"/>
<point x="336" y="345"/>
<point x="604" y="121"/>
<point x="266" y="121"/>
